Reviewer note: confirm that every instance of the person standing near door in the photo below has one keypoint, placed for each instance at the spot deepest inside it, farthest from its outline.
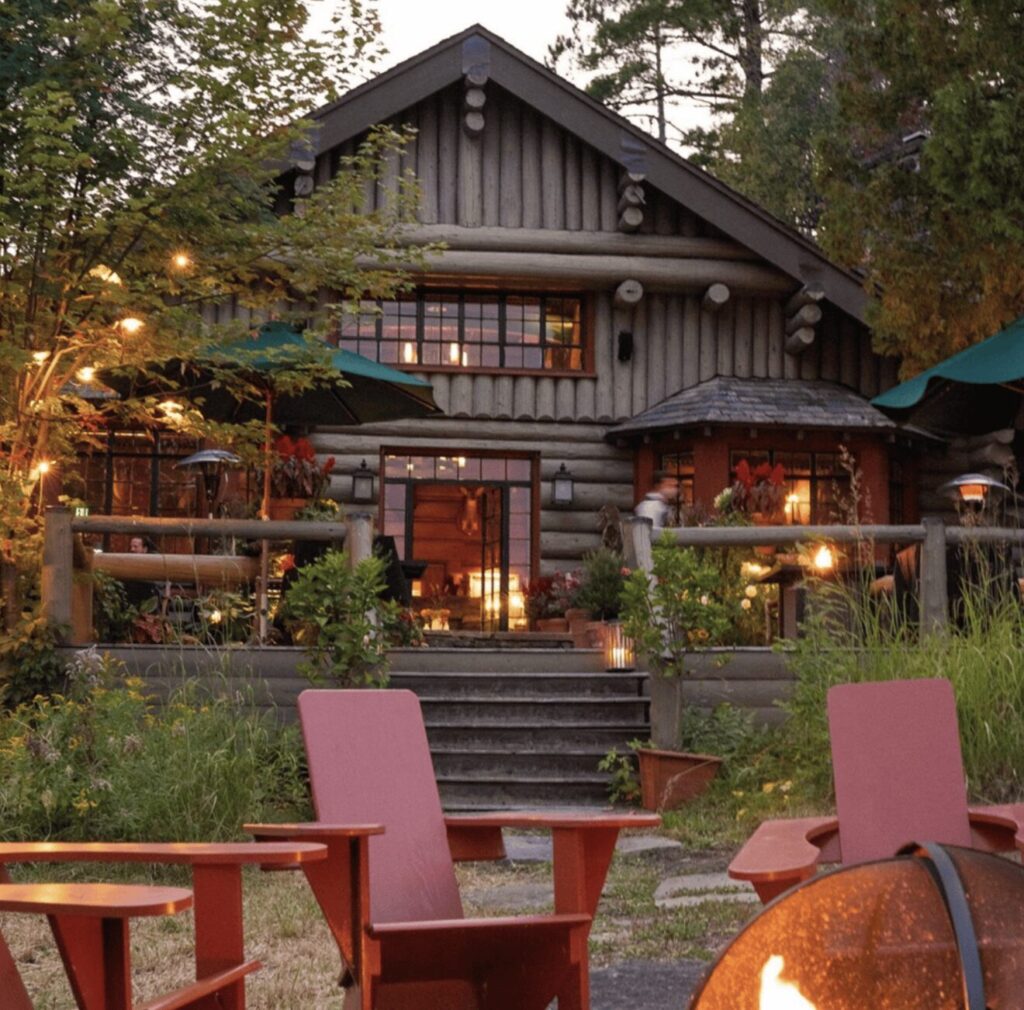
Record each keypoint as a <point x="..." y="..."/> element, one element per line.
<point x="659" y="503"/>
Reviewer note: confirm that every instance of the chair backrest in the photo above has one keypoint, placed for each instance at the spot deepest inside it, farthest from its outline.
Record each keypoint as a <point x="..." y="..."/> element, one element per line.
<point x="369" y="763"/>
<point x="897" y="766"/>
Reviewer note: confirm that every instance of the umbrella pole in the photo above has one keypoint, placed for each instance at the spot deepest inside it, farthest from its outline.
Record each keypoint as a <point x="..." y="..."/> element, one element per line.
<point x="262" y="598"/>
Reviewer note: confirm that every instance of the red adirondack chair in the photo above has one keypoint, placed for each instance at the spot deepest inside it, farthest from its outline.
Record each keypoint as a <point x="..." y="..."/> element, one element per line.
<point x="90" y="926"/>
<point x="388" y="888"/>
<point x="899" y="778"/>
<point x="216" y="868"/>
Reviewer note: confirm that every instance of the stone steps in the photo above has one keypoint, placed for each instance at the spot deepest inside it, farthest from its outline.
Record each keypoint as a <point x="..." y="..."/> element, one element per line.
<point x="522" y="727"/>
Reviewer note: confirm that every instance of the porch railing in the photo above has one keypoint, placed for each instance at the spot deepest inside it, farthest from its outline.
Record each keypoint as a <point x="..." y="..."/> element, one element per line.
<point x="61" y="554"/>
<point x="931" y="533"/>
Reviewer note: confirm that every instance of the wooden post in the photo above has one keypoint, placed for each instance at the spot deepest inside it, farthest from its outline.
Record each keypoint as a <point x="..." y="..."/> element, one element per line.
<point x="58" y="560"/>
<point x="637" y="535"/>
<point x="359" y="538"/>
<point x="932" y="576"/>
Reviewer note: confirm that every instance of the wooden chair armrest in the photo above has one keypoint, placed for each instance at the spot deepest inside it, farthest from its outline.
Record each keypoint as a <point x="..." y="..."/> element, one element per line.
<point x="997" y="828"/>
<point x="782" y="853"/>
<point x="596" y="820"/>
<point x="187" y="853"/>
<point x="318" y="830"/>
<point x="497" y="924"/>
<point x="102" y="901"/>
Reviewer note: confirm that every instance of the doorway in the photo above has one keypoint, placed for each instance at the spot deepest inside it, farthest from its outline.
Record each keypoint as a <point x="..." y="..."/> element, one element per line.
<point x="469" y="520"/>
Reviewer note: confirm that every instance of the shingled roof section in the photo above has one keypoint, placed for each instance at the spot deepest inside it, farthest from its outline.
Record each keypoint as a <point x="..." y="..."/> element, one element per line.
<point x="791" y="403"/>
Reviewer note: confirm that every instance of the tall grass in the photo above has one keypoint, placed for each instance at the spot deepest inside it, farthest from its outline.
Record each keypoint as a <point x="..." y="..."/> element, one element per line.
<point x="854" y="636"/>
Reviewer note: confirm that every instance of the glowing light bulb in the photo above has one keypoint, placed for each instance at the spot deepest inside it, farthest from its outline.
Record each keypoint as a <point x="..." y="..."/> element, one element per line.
<point x="86" y="374"/>
<point x="181" y="261"/>
<point x="40" y="356"/>
<point x="43" y="467"/>
<point x="130" y="325"/>
<point x="453" y="354"/>
<point x="824" y="559"/>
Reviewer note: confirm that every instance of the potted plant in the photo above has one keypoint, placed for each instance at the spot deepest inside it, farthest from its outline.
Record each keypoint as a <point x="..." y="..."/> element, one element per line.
<point x="600" y="593"/>
<point x="548" y="598"/>
<point x="296" y="477"/>
<point x="681" y="606"/>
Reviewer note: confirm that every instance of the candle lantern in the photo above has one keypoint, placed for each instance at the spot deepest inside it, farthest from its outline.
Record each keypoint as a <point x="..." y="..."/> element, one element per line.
<point x="563" y="489"/>
<point x="936" y="928"/>
<point x="362" y="484"/>
<point x="619" y="650"/>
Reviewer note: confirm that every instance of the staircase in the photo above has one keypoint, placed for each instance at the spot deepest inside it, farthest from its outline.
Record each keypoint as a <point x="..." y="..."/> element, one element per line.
<point x="521" y="727"/>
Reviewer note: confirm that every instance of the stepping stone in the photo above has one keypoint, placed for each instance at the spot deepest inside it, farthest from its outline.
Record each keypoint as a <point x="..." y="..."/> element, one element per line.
<point x="537" y="848"/>
<point x="695" y="888"/>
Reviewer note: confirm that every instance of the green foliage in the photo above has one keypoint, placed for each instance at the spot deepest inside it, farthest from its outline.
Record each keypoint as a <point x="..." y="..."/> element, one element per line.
<point x="602" y="584"/>
<point x="113" y="614"/>
<point x="624" y="786"/>
<point x="725" y="731"/>
<point x="29" y="664"/>
<point x="224" y="616"/>
<point x="105" y="762"/>
<point x="681" y="609"/>
<point x="942" y="240"/>
<point x="851" y="636"/>
<point x="341" y="620"/>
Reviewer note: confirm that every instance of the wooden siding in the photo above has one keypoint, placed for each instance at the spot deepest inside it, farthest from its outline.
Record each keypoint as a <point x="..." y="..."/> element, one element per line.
<point x="524" y="172"/>
<point x="602" y="473"/>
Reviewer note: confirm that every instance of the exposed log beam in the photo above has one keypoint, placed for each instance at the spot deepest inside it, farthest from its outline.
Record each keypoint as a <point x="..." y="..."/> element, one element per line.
<point x="576" y="243"/>
<point x="715" y="297"/>
<point x="628" y="294"/>
<point x="808" y="316"/>
<point x="799" y="340"/>
<point x="809" y="294"/>
<point x="605" y="271"/>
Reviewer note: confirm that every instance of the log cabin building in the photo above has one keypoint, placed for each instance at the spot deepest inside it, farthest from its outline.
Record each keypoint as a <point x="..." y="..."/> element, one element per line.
<point x="602" y="310"/>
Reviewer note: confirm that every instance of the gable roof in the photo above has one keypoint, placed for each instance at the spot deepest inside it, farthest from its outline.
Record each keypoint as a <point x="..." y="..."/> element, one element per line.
<point x="614" y="136"/>
<point x="793" y="403"/>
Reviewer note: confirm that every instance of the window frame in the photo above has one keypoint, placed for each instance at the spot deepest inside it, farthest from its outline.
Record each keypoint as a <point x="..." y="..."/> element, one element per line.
<point x="814" y="480"/>
<point x="421" y="295"/>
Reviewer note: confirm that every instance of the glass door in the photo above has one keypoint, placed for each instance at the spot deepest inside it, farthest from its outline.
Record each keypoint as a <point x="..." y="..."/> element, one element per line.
<point x="492" y="567"/>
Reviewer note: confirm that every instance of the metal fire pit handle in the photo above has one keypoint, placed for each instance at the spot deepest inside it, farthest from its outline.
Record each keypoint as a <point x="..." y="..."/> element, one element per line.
<point x="947" y="880"/>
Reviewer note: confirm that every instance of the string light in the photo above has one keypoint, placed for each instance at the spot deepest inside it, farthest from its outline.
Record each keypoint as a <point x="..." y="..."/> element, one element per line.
<point x="42" y="467"/>
<point x="181" y="261"/>
<point x="40" y="356"/>
<point x="130" y="325"/>
<point x="86" y="374"/>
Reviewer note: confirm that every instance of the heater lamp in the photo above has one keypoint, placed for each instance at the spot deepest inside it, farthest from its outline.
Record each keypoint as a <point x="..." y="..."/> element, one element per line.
<point x="936" y="928"/>
<point x="972" y="488"/>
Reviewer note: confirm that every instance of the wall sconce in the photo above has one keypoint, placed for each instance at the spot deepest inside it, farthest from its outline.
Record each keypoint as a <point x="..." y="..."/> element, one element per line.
<point x="362" y="484"/>
<point x="972" y="488"/>
<point x="562" y="488"/>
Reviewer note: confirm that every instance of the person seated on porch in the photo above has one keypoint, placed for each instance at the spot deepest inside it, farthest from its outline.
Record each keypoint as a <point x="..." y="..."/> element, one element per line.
<point x="659" y="503"/>
<point x="141" y="591"/>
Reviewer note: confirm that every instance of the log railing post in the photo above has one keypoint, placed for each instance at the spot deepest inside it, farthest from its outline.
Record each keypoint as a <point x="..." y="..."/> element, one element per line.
<point x="934" y="600"/>
<point x="359" y="537"/>
<point x="637" y="535"/>
<point x="58" y="564"/>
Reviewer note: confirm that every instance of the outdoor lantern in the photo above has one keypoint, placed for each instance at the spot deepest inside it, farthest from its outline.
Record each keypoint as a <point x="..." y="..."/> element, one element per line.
<point x="562" y="489"/>
<point x="972" y="488"/>
<point x="362" y="484"/>
<point x="935" y="928"/>
<point x="619" y="651"/>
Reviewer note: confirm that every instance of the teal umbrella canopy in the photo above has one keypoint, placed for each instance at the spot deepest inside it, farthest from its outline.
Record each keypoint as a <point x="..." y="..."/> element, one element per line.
<point x="345" y="388"/>
<point x="973" y="392"/>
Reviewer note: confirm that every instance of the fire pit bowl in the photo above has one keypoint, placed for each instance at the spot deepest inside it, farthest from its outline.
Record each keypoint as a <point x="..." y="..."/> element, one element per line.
<point x="936" y="928"/>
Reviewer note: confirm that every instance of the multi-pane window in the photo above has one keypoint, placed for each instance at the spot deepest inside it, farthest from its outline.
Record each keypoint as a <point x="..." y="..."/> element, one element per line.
<point x="472" y="330"/>
<point x="813" y="480"/>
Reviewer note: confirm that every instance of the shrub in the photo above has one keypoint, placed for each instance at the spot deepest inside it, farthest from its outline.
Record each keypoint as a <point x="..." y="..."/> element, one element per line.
<point x="603" y="581"/>
<point x="29" y="664"/>
<point x="342" y="621"/>
<point x="104" y="761"/>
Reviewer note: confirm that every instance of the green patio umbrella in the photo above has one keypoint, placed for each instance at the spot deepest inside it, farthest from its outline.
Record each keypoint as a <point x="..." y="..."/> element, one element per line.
<point x="973" y="392"/>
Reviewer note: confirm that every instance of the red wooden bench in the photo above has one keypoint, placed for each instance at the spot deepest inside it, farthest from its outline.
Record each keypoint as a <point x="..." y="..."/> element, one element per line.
<point x="216" y="883"/>
<point x="899" y="778"/>
<point x="90" y="926"/>
<point x="388" y="887"/>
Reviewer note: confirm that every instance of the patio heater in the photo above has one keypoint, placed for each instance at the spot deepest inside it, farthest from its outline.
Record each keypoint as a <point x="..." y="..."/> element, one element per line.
<point x="972" y="488"/>
<point x="210" y="463"/>
<point x="936" y="928"/>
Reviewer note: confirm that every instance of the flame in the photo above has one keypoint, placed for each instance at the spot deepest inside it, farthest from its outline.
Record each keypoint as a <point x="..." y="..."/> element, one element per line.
<point x="779" y="995"/>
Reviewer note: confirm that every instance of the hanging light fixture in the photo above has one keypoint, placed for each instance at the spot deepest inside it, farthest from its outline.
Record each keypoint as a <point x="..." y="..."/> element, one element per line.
<point x="362" y="484"/>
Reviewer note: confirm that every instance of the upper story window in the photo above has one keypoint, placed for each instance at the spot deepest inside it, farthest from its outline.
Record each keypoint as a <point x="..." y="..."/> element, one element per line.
<point x="471" y="330"/>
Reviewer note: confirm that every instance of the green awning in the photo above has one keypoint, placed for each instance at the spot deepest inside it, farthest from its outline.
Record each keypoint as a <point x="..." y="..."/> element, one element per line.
<point x="974" y="391"/>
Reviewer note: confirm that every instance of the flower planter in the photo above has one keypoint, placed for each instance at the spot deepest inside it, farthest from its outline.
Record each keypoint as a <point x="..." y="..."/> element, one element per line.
<point x="552" y="624"/>
<point x="285" y="508"/>
<point x="668" y="779"/>
<point x="595" y="634"/>
<point x="577" y="619"/>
